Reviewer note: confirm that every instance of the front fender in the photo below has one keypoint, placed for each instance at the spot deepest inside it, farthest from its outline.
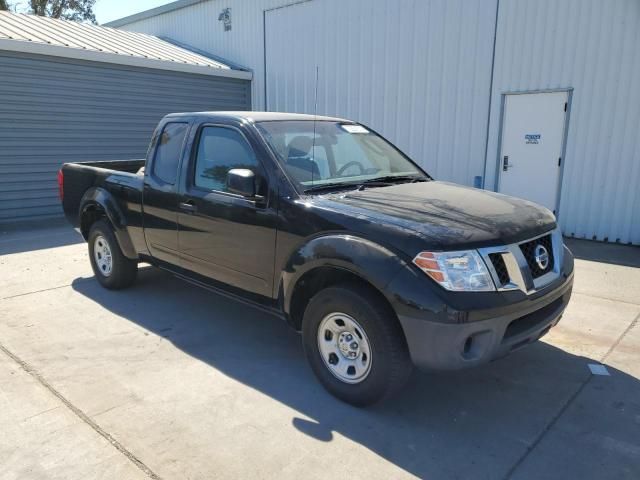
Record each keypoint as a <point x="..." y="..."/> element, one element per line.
<point x="372" y="262"/>
<point x="99" y="199"/>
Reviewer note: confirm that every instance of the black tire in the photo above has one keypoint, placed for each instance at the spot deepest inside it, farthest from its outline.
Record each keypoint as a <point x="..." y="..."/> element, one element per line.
<point x="390" y="365"/>
<point x="123" y="270"/>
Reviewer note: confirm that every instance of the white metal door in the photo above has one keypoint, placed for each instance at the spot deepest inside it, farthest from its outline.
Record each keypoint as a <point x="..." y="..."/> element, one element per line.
<point x="532" y="141"/>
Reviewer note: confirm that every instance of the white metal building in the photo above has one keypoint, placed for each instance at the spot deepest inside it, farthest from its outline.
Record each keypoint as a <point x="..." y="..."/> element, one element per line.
<point x="538" y="99"/>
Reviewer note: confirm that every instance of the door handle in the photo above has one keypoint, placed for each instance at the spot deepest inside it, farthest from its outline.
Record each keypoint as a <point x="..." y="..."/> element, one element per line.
<point x="505" y="163"/>
<point x="188" y="206"/>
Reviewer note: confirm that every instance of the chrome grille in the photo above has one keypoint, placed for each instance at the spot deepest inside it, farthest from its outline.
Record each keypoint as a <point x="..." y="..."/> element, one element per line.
<point x="514" y="266"/>
<point x="528" y="250"/>
<point x="500" y="268"/>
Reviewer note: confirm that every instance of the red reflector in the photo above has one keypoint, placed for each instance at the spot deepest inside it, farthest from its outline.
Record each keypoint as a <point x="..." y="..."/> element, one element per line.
<point x="60" y="184"/>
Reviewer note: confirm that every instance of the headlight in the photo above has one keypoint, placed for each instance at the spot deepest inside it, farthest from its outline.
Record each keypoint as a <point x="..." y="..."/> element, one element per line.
<point x="463" y="271"/>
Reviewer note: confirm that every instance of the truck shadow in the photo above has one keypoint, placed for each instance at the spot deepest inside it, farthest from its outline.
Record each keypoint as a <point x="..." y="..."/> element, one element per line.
<point x="470" y="424"/>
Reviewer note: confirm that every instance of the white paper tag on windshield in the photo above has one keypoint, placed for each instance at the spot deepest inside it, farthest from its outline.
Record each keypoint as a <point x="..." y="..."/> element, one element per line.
<point x="354" y="128"/>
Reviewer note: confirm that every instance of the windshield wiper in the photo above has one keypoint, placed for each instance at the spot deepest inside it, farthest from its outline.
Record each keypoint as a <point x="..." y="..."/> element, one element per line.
<point x="378" y="181"/>
<point x="395" y="178"/>
<point x="331" y="186"/>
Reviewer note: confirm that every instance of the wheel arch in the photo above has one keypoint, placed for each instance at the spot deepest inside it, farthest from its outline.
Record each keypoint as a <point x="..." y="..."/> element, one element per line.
<point x="98" y="203"/>
<point x="331" y="260"/>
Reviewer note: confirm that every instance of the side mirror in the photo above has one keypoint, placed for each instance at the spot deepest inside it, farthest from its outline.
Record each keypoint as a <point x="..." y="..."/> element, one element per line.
<point x="241" y="181"/>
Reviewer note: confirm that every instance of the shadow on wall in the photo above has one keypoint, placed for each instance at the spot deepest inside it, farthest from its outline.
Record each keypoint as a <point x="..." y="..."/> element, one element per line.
<point x="613" y="253"/>
<point x="469" y="424"/>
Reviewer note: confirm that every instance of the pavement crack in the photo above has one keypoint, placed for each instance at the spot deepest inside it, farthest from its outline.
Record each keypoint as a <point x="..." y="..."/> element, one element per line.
<point x="620" y="338"/>
<point x="546" y="429"/>
<point x="40" y="413"/>
<point x="44" y="289"/>
<point x="79" y="413"/>
<point x="602" y="297"/>
<point x="569" y="401"/>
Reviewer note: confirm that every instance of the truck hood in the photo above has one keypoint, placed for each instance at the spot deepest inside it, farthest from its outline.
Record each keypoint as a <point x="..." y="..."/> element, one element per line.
<point x="446" y="214"/>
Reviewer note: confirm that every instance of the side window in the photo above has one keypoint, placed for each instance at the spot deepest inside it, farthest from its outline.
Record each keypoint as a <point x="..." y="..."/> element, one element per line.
<point x="165" y="163"/>
<point x="220" y="150"/>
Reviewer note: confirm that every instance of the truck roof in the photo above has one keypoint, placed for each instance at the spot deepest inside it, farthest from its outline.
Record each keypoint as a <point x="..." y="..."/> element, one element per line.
<point x="258" y="116"/>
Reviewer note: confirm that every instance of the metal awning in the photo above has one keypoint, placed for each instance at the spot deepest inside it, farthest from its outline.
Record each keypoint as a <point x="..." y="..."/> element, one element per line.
<point x="65" y="38"/>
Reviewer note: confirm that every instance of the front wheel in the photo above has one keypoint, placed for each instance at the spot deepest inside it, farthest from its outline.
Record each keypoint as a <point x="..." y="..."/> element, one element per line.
<point x="112" y="269"/>
<point x="355" y="345"/>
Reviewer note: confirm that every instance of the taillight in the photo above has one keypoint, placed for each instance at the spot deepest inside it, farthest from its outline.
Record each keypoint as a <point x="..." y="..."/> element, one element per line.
<point x="61" y="185"/>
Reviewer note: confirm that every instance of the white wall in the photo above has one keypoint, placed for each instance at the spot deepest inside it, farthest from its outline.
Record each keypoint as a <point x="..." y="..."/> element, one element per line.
<point x="419" y="71"/>
<point x="197" y="25"/>
<point x="594" y="47"/>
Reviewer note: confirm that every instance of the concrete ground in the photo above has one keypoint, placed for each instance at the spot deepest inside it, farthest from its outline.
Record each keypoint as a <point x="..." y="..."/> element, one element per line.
<point x="169" y="381"/>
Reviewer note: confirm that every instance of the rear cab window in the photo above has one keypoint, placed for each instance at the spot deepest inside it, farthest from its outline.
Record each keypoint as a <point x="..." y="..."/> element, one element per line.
<point x="168" y="151"/>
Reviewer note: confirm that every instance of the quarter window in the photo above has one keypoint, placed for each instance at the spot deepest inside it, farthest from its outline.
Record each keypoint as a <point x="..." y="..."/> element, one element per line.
<point x="220" y="150"/>
<point x="165" y="163"/>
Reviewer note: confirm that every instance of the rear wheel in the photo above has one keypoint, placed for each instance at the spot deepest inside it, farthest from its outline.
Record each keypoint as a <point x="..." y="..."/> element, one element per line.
<point x="112" y="269"/>
<point x="355" y="345"/>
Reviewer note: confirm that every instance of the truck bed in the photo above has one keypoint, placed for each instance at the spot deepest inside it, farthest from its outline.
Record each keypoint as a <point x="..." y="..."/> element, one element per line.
<point x="120" y="177"/>
<point x="129" y="166"/>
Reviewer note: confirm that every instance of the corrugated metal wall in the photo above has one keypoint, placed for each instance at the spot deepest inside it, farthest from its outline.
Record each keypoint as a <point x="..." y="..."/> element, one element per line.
<point x="417" y="71"/>
<point x="594" y="47"/>
<point x="198" y="26"/>
<point x="54" y="110"/>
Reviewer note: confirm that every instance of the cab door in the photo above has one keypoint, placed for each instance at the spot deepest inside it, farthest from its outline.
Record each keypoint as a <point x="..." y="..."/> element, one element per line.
<point x="222" y="235"/>
<point x="160" y="201"/>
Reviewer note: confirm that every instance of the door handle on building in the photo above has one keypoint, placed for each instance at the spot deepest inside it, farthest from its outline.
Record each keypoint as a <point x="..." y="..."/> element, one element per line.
<point x="505" y="163"/>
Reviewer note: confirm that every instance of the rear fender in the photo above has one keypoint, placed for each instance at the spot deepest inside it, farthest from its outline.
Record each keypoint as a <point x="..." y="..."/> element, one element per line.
<point x="99" y="200"/>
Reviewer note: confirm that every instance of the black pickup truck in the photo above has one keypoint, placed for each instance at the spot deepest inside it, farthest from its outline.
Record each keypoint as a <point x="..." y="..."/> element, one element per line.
<point x="325" y="223"/>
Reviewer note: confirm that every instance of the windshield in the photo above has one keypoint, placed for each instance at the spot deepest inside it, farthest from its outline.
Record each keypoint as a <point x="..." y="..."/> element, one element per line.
<point x="342" y="153"/>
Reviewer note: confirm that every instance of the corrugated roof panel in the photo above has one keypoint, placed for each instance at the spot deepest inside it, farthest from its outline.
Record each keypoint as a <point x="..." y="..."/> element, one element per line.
<point x="82" y="36"/>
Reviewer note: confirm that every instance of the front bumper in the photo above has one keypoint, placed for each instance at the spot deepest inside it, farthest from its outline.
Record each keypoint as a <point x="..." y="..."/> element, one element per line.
<point x="437" y="345"/>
